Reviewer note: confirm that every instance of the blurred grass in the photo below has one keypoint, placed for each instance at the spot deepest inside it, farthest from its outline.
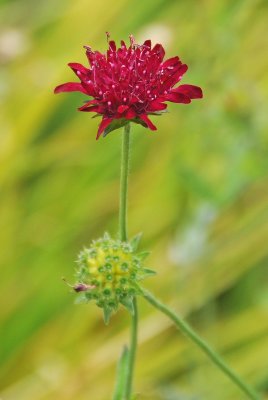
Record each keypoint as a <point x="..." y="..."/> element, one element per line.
<point x="198" y="191"/>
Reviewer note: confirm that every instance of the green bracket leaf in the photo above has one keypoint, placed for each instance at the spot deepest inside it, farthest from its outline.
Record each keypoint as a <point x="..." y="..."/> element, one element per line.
<point x="128" y="303"/>
<point x="115" y="124"/>
<point x="106" y="236"/>
<point x="135" y="241"/>
<point x="120" y="122"/>
<point x="107" y="312"/>
<point x="148" y="272"/>
<point x="81" y="299"/>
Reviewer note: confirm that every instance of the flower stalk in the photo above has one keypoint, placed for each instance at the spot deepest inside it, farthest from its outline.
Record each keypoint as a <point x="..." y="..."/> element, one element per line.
<point x="124" y="237"/>
<point x="205" y="347"/>
<point x="124" y="184"/>
<point x="132" y="351"/>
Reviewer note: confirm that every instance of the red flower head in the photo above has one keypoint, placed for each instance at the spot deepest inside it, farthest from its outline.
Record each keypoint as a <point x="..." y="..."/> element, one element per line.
<point x="130" y="83"/>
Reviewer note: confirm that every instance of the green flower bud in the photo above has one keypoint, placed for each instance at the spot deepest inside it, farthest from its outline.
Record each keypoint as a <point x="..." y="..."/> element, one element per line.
<point x="109" y="273"/>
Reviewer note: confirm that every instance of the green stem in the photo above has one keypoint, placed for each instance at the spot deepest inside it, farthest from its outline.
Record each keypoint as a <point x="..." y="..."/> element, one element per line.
<point x="192" y="335"/>
<point x="132" y="351"/>
<point x="124" y="237"/>
<point x="124" y="183"/>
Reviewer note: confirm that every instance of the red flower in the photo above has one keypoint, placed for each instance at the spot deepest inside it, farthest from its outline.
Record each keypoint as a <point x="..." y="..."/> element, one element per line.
<point x="130" y="83"/>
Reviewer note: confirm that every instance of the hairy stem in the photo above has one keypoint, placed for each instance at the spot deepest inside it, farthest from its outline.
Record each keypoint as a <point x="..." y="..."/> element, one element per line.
<point x="132" y="351"/>
<point x="124" y="237"/>
<point x="124" y="183"/>
<point x="205" y="347"/>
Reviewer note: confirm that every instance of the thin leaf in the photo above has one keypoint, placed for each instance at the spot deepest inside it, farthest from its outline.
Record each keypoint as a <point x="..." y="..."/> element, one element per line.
<point x="135" y="241"/>
<point x="144" y="254"/>
<point x="158" y="113"/>
<point x="121" y="375"/>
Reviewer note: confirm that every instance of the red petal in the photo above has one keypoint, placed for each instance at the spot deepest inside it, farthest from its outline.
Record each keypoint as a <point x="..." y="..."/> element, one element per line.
<point x="171" y="62"/>
<point x="176" y="77"/>
<point x="88" y="106"/>
<point x="112" y="45"/>
<point x="156" y="105"/>
<point x="158" y="48"/>
<point x="70" y="87"/>
<point x="148" y="122"/>
<point x="182" y="69"/>
<point x="123" y="45"/>
<point x="178" y="98"/>
<point x="90" y="54"/>
<point x="89" y="103"/>
<point x="89" y="87"/>
<point x="122" y="109"/>
<point x="194" y="92"/>
<point x="130" y="114"/>
<point x="179" y="74"/>
<point x="147" y="43"/>
<point x="103" y="125"/>
<point x="96" y="109"/>
<point x="78" y="69"/>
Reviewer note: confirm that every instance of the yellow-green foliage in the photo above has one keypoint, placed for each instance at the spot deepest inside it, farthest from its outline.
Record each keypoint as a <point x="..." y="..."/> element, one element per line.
<point x="198" y="191"/>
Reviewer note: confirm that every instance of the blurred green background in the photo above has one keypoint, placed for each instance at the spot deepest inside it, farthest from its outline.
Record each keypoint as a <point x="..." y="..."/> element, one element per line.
<point x="198" y="191"/>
